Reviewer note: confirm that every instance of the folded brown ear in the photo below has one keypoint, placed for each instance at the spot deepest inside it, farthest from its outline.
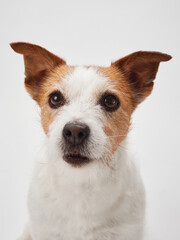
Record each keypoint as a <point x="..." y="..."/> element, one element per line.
<point x="37" y="62"/>
<point x="140" y="69"/>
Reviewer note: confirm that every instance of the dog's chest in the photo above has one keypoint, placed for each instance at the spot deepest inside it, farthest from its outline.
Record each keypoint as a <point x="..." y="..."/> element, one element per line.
<point x="70" y="212"/>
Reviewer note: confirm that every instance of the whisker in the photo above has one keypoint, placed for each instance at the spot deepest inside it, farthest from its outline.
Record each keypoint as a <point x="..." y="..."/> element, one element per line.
<point x="42" y="162"/>
<point x="116" y="136"/>
<point x="123" y="147"/>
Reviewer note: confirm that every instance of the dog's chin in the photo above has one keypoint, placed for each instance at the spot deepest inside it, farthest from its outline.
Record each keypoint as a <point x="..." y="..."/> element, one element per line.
<point x="76" y="159"/>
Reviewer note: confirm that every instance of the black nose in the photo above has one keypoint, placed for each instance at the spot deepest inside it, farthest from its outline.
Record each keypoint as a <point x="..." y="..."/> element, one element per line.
<point x="76" y="133"/>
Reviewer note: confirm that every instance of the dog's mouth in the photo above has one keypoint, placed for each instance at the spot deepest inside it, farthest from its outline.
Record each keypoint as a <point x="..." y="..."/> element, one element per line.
<point x="76" y="159"/>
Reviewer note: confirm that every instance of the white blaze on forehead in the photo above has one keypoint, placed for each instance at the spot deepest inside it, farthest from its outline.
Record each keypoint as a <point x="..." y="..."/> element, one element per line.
<point x="82" y="89"/>
<point x="84" y="82"/>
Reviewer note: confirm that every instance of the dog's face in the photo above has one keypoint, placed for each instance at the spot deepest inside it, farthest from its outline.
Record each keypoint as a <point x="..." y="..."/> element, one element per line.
<point x="86" y="111"/>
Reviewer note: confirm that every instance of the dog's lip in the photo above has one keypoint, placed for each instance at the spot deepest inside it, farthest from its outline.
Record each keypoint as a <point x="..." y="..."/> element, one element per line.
<point x="75" y="158"/>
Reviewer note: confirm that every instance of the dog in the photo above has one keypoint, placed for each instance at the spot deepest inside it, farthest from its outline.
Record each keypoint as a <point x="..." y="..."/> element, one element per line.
<point x="86" y="185"/>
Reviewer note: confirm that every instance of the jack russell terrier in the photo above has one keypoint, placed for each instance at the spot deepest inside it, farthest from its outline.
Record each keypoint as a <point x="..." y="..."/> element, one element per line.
<point x="85" y="185"/>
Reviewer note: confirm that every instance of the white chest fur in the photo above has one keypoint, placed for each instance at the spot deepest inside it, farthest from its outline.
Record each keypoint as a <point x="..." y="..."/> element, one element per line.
<point x="96" y="203"/>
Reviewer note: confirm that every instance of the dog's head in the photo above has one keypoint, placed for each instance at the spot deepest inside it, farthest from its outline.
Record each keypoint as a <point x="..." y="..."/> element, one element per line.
<point x="86" y="111"/>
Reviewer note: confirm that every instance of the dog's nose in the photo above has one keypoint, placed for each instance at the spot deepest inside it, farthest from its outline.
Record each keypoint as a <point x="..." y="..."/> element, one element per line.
<point x="76" y="133"/>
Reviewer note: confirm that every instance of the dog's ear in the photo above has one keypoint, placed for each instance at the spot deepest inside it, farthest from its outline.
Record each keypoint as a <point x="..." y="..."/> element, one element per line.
<point x="140" y="69"/>
<point x="38" y="61"/>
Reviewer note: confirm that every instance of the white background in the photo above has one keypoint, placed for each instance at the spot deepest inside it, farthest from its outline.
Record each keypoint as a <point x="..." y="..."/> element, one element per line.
<point x="93" y="32"/>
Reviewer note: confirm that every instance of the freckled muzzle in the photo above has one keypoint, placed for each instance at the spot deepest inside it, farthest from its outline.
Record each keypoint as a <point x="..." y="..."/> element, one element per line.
<point x="75" y="136"/>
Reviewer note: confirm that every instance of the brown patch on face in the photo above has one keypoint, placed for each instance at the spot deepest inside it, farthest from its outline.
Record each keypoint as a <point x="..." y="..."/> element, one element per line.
<point x="131" y="79"/>
<point x="43" y="70"/>
<point x="117" y="122"/>
<point x="50" y="84"/>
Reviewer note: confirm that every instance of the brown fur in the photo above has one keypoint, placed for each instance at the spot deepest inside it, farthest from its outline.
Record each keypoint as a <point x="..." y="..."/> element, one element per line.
<point x="117" y="123"/>
<point x="140" y="69"/>
<point x="49" y="85"/>
<point x="131" y="79"/>
<point x="38" y="62"/>
<point x="42" y="71"/>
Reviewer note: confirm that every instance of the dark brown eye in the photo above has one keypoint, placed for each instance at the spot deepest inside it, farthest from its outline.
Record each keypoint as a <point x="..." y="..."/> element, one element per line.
<point x="110" y="102"/>
<point x="56" y="99"/>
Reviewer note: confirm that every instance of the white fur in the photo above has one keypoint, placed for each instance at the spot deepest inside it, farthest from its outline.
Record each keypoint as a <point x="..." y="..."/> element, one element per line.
<point x="96" y="201"/>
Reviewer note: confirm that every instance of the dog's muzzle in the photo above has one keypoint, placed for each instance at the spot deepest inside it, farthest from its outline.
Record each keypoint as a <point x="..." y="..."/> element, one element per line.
<point x="75" y="137"/>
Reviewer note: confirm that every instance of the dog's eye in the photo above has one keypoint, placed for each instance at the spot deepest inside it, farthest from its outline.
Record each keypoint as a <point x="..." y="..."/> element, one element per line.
<point x="56" y="99"/>
<point x="110" y="102"/>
